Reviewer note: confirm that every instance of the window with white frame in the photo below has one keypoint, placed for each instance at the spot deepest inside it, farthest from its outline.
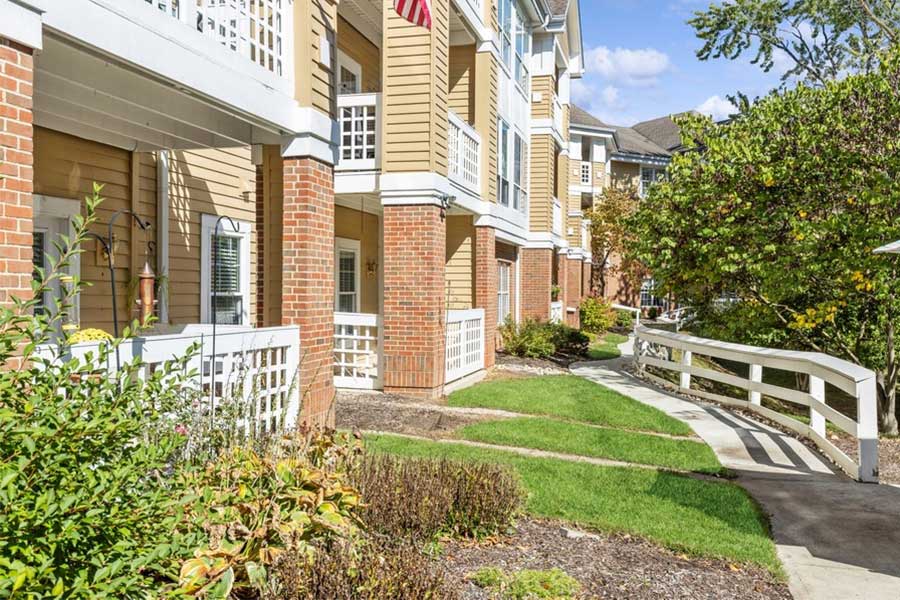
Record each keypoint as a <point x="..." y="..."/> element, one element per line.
<point x="225" y="271"/>
<point x="505" y="21"/>
<point x="649" y="177"/>
<point x="503" y="163"/>
<point x="349" y="75"/>
<point x="53" y="220"/>
<point x="523" y="48"/>
<point x="346" y="276"/>
<point x="515" y="40"/>
<point x="503" y="294"/>
<point x="649" y="298"/>
<point x="520" y="166"/>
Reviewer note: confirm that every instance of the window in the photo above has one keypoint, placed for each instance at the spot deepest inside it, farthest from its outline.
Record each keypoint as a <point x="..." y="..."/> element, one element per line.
<point x="650" y="176"/>
<point x="39" y="240"/>
<point x="520" y="161"/>
<point x="346" y="265"/>
<point x="53" y="219"/>
<point x="225" y="272"/>
<point x="648" y="294"/>
<point x="523" y="44"/>
<point x="349" y="75"/>
<point x="503" y="304"/>
<point x="514" y="28"/>
<point x="503" y="163"/>
<point x="504" y="19"/>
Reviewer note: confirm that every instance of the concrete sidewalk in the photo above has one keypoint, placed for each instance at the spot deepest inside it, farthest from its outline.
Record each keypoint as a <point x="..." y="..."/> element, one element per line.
<point x="838" y="539"/>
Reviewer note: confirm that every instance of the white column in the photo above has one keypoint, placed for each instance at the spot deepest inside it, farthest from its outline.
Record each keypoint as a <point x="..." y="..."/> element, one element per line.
<point x="817" y="391"/>
<point x="755" y="397"/>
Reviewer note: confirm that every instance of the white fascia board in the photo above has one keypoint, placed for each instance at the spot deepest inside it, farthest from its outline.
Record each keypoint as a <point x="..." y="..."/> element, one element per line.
<point x="150" y="40"/>
<point x="20" y="21"/>
<point x="545" y="127"/>
<point x="356" y="182"/>
<point x="640" y="160"/>
<point x="546" y="240"/>
<point x="473" y="21"/>
<point x="589" y="130"/>
<point x="414" y="188"/>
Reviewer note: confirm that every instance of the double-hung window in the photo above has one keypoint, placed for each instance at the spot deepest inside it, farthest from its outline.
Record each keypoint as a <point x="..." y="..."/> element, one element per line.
<point x="523" y="44"/>
<point x="648" y="294"/>
<point x="503" y="296"/>
<point x="649" y="176"/>
<point x="520" y="162"/>
<point x="225" y="271"/>
<point x="503" y="163"/>
<point x="346" y="265"/>
<point x="53" y="220"/>
<point x="505" y="20"/>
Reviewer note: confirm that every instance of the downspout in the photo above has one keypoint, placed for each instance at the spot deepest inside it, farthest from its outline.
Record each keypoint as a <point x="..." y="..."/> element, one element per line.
<point x="162" y="233"/>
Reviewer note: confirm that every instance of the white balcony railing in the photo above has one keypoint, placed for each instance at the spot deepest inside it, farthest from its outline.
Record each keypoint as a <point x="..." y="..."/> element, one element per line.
<point x="558" y="116"/>
<point x="586" y="173"/>
<point x="257" y="367"/>
<point x="360" y="124"/>
<point x="357" y="351"/>
<point x="261" y="30"/>
<point x="464" y="154"/>
<point x="465" y="343"/>
<point x="557" y="218"/>
<point x="556" y="312"/>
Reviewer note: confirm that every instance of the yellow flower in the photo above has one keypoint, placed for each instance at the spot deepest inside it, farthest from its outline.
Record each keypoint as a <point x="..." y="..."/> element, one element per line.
<point x="802" y="214"/>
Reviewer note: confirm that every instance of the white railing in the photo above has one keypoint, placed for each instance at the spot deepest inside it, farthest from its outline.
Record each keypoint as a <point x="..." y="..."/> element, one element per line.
<point x="556" y="312"/>
<point x="654" y="348"/>
<point x="261" y="31"/>
<point x="558" y="115"/>
<point x="586" y="171"/>
<point x="463" y="153"/>
<point x="557" y="218"/>
<point x="465" y="343"/>
<point x="357" y="351"/>
<point x="358" y="116"/>
<point x="258" y="367"/>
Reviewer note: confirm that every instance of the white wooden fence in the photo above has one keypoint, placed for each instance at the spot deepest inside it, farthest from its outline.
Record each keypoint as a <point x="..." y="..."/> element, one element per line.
<point x="357" y="351"/>
<point x="465" y="343"/>
<point x="260" y="367"/>
<point x="654" y="348"/>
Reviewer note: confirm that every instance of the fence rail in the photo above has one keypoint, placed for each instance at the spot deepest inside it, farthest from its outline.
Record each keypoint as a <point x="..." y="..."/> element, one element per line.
<point x="654" y="348"/>
<point x="464" y="153"/>
<point x="357" y="351"/>
<point x="465" y="343"/>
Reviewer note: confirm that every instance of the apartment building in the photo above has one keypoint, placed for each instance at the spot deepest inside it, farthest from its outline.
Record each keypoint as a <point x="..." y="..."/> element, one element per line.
<point x="349" y="197"/>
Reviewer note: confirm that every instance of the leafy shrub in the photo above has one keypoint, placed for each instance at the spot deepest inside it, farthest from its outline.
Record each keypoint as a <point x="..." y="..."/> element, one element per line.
<point x="597" y="314"/>
<point x="567" y="339"/>
<point x="416" y="498"/>
<point x="87" y="512"/>
<point x="530" y="339"/>
<point x="624" y="319"/>
<point x="527" y="584"/>
<point x="653" y="313"/>
<point x="371" y="570"/>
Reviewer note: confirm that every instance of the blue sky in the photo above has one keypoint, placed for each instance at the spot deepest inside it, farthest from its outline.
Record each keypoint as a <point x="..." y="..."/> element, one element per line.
<point x="641" y="63"/>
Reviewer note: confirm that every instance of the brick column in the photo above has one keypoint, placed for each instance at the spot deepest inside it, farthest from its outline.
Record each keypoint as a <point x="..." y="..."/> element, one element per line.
<point x="414" y="324"/>
<point x="16" y="170"/>
<point x="486" y="274"/>
<point x="586" y="272"/>
<point x="261" y="231"/>
<point x="537" y="274"/>
<point x="308" y="279"/>
<point x="562" y="277"/>
<point x="573" y="273"/>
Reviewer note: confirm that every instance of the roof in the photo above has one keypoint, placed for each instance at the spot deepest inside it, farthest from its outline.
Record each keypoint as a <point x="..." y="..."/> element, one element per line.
<point x="629" y="141"/>
<point x="664" y="132"/>
<point x="579" y="116"/>
<point x="558" y="7"/>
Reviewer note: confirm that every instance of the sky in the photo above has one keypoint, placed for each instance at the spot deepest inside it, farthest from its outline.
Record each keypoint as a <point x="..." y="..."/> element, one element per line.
<point x="641" y="63"/>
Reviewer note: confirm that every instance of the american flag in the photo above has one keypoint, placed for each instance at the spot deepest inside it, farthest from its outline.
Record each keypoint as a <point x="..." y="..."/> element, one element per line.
<point x="416" y="12"/>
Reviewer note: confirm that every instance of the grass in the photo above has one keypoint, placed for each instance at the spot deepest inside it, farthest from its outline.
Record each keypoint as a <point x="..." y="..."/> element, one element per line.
<point x="526" y="584"/>
<point x="584" y="440"/>
<point x="568" y="397"/>
<point x="699" y="518"/>
<point x="606" y="346"/>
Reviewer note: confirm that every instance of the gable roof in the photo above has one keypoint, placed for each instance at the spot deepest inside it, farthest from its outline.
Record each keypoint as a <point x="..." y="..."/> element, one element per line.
<point x="663" y="131"/>
<point x="579" y="116"/>
<point x="629" y="141"/>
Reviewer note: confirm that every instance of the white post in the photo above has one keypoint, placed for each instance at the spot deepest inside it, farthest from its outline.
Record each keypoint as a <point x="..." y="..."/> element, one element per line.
<point x="162" y="234"/>
<point x="867" y="429"/>
<point x="817" y="391"/>
<point x="685" y="378"/>
<point x="753" y="396"/>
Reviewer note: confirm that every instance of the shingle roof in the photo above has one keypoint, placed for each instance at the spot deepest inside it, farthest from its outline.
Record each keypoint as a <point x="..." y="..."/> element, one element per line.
<point x="558" y="7"/>
<point x="629" y="141"/>
<point x="662" y="131"/>
<point x="579" y="116"/>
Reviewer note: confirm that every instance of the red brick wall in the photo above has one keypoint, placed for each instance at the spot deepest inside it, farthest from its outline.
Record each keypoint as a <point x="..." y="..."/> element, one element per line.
<point x="586" y="280"/>
<point x="562" y="265"/>
<point x="486" y="282"/>
<point x="414" y="324"/>
<point x="536" y="273"/>
<point x="16" y="170"/>
<point x="308" y="279"/>
<point x="260" y="247"/>
<point x="573" y="266"/>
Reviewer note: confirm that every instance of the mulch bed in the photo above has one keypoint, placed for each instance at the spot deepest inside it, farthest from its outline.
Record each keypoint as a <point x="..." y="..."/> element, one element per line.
<point x="558" y="361"/>
<point x="608" y="566"/>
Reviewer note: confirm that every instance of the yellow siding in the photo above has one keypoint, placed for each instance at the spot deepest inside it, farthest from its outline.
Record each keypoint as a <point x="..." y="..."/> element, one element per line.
<point x="462" y="82"/>
<point x="216" y="182"/>
<point x="363" y="227"/>
<point x="358" y="47"/>
<point x="625" y="176"/>
<point x="315" y="22"/>
<point x="540" y="201"/>
<point x="460" y="263"/>
<point x="272" y="215"/>
<point x="487" y="71"/>
<point x="545" y="86"/>
<point x="415" y="68"/>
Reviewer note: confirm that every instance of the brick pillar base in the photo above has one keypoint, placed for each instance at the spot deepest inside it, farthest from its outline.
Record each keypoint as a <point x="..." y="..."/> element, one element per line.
<point x="16" y="170"/>
<point x="537" y="279"/>
<point x="308" y="280"/>
<point x="586" y="280"/>
<point x="562" y="278"/>
<point x="414" y="324"/>
<point x="486" y="283"/>
<point x="573" y="273"/>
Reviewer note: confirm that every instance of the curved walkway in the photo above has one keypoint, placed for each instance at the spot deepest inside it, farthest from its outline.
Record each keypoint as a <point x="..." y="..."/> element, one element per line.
<point x="838" y="539"/>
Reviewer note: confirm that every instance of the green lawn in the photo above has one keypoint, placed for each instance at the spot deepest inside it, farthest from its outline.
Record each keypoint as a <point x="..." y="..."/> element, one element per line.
<point x="584" y="440"/>
<point x="568" y="397"/>
<point x="700" y="518"/>
<point x="606" y="346"/>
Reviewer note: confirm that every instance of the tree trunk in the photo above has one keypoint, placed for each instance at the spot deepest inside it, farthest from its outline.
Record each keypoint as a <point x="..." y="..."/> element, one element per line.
<point x="887" y="379"/>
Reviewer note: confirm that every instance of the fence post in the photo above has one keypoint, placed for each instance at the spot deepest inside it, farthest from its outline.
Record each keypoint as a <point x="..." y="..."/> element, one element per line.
<point x="867" y="429"/>
<point x="685" y="377"/>
<point x="817" y="391"/>
<point x="754" y="397"/>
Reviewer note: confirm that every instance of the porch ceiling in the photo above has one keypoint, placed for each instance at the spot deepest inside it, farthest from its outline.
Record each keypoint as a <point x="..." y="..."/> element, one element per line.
<point x="83" y="93"/>
<point x="370" y="203"/>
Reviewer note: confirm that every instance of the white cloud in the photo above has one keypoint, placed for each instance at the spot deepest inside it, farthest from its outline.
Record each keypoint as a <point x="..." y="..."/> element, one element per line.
<point x="717" y="107"/>
<point x="611" y="97"/>
<point x="633" y="67"/>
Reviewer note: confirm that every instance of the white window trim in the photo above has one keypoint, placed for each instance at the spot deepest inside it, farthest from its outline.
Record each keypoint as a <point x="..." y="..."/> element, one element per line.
<point x="347" y="245"/>
<point x="507" y="293"/>
<point x="53" y="207"/>
<point x="351" y="65"/>
<point x="245" y="229"/>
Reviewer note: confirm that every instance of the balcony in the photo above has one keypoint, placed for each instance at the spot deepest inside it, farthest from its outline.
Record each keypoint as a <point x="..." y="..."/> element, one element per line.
<point x="463" y="154"/>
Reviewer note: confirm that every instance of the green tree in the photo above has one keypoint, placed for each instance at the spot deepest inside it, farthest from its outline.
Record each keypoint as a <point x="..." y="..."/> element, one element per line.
<point x="609" y="234"/>
<point x="821" y="40"/>
<point x="783" y="207"/>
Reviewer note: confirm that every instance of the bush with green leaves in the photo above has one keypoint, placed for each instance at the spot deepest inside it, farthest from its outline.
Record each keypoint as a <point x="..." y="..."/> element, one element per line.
<point x="597" y="314"/>
<point x="624" y="319"/>
<point x="537" y="339"/>
<point x="526" y="584"/>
